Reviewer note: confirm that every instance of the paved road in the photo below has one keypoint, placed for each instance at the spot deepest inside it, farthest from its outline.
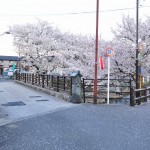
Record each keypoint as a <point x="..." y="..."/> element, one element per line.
<point x="28" y="102"/>
<point x="84" y="127"/>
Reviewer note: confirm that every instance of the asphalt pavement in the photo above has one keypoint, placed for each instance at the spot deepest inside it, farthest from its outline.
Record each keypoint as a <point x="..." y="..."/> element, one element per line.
<point x="76" y="126"/>
<point x="19" y="102"/>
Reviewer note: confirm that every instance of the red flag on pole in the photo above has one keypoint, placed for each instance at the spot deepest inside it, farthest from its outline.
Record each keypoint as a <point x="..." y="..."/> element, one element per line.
<point x="102" y="65"/>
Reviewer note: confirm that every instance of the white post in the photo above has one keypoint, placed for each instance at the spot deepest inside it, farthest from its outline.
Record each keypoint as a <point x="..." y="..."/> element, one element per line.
<point x="108" y="80"/>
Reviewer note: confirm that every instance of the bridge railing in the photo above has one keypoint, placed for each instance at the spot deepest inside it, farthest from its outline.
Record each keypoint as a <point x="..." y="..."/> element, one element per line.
<point x="88" y="89"/>
<point x="139" y="95"/>
<point x="52" y="82"/>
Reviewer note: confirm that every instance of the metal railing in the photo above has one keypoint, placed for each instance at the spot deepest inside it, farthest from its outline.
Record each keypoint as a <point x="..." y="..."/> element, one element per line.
<point x="139" y="95"/>
<point x="51" y="82"/>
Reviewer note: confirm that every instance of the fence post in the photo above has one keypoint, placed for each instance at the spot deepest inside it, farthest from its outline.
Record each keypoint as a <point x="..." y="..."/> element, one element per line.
<point x="39" y="75"/>
<point x="19" y="76"/>
<point x="25" y="78"/>
<point x="57" y="84"/>
<point x="32" y="79"/>
<point x="70" y="85"/>
<point x="35" y="79"/>
<point x="83" y="91"/>
<point x="52" y="80"/>
<point x="138" y="94"/>
<point x="42" y="80"/>
<point x="29" y="78"/>
<point x="145" y="94"/>
<point x="132" y="97"/>
<point x="47" y="79"/>
<point x="64" y="83"/>
<point x="130" y="89"/>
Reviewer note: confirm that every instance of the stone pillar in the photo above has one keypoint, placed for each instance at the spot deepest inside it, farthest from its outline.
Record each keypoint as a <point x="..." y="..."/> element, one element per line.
<point x="76" y="87"/>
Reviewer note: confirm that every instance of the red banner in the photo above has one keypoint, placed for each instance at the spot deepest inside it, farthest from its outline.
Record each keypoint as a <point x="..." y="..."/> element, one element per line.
<point x="102" y="65"/>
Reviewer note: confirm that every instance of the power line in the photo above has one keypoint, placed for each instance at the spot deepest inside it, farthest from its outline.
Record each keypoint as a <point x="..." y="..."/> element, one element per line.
<point x="77" y="13"/>
<point x="103" y="11"/>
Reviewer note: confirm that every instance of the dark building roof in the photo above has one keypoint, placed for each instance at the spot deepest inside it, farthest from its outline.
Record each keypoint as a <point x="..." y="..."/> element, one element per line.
<point x="10" y="58"/>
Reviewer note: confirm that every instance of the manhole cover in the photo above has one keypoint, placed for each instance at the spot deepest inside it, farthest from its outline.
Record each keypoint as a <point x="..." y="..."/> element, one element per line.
<point x="42" y="100"/>
<point x="34" y="96"/>
<point x="19" y="103"/>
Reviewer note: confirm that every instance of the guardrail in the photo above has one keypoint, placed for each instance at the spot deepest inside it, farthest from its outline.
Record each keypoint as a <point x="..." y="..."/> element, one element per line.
<point x="139" y="95"/>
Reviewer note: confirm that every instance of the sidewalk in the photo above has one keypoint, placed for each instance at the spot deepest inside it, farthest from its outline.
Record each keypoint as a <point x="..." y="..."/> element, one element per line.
<point x="18" y="102"/>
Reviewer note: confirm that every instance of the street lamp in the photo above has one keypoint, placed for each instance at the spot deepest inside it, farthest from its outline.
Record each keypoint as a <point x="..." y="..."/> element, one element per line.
<point x="7" y="32"/>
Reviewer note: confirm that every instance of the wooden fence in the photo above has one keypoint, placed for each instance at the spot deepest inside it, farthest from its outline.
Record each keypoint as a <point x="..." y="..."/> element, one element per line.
<point x="52" y="82"/>
<point x="64" y="83"/>
<point x="88" y="89"/>
<point x="139" y="95"/>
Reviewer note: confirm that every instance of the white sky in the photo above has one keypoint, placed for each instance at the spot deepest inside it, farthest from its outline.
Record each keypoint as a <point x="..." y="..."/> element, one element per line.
<point x="58" y="12"/>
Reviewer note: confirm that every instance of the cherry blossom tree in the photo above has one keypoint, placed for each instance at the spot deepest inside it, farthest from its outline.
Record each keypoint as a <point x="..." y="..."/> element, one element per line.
<point x="48" y="50"/>
<point x="124" y="45"/>
<point x="51" y="51"/>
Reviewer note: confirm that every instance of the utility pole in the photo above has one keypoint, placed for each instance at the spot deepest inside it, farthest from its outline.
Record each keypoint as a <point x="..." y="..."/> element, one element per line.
<point x="137" y="44"/>
<point x="19" y="67"/>
<point x="96" y="53"/>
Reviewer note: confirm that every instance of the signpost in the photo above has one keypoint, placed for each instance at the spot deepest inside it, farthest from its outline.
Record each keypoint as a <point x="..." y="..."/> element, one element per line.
<point x="109" y="53"/>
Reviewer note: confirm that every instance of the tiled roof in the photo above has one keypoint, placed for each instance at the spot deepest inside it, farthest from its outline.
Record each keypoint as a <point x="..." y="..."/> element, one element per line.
<point x="10" y="58"/>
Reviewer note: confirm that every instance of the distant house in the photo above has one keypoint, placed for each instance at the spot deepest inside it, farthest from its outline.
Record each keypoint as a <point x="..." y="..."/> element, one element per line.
<point x="7" y="62"/>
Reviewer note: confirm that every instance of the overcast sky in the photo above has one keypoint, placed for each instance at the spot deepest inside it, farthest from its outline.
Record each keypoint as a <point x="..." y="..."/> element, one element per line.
<point x="67" y="15"/>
